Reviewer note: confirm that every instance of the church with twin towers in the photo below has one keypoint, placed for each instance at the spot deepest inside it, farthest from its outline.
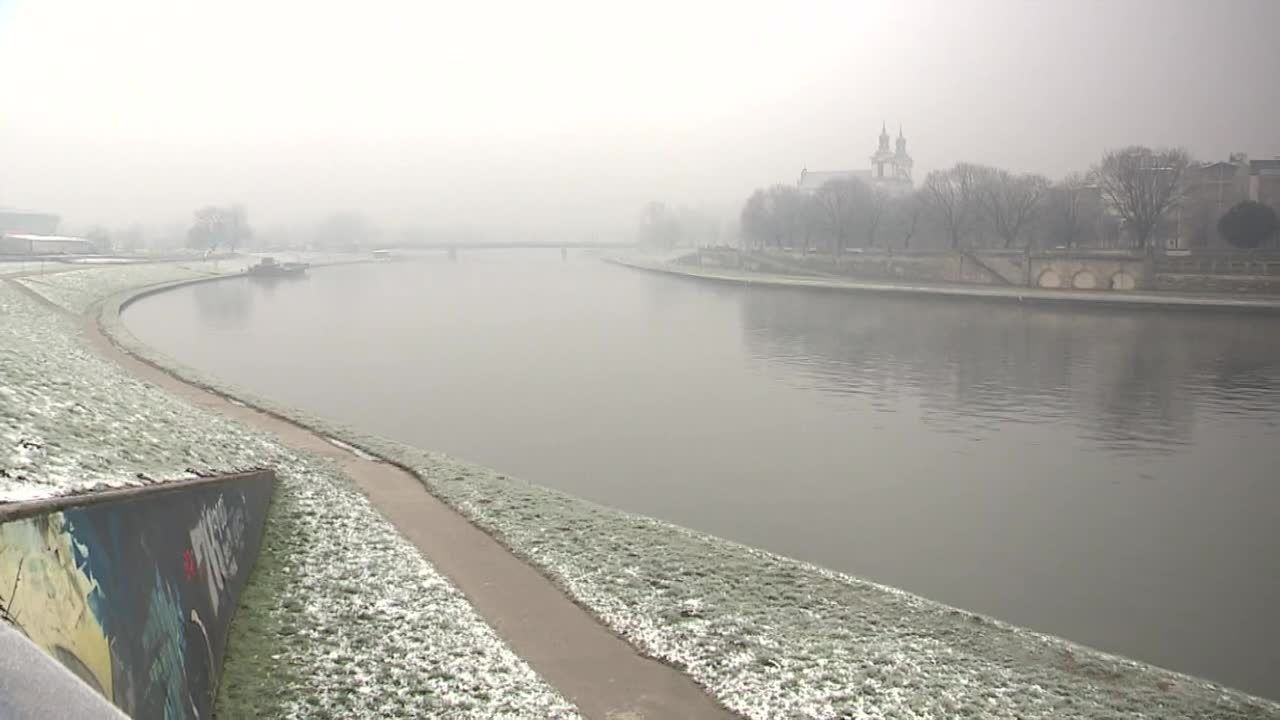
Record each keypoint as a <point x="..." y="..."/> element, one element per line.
<point x="890" y="168"/>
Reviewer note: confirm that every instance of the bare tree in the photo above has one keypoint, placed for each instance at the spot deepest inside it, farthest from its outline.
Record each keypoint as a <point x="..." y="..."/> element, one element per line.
<point x="837" y="203"/>
<point x="948" y="195"/>
<point x="791" y="211"/>
<point x="810" y="219"/>
<point x="1007" y="201"/>
<point x="1143" y="185"/>
<point x="874" y="203"/>
<point x="1065" y="210"/>
<point x="906" y="211"/>
<point x="755" y="221"/>
<point x="776" y="216"/>
<point x="216" y="227"/>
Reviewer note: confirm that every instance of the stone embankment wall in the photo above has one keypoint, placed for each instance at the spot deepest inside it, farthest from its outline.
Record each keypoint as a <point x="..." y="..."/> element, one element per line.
<point x="133" y="590"/>
<point x="1090" y="272"/>
<point x="1096" y="270"/>
<point x="1217" y="272"/>
<point x="1093" y="271"/>
<point x="1221" y="284"/>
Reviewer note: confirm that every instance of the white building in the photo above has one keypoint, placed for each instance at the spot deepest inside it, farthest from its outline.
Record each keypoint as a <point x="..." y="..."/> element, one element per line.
<point x="890" y="169"/>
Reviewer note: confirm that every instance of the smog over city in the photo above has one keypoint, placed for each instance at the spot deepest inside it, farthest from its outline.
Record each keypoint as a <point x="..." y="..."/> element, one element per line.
<point x="568" y="117"/>
<point x="554" y="360"/>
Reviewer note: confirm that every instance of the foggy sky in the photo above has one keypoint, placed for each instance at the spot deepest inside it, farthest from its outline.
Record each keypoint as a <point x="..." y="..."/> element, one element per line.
<point x="541" y="118"/>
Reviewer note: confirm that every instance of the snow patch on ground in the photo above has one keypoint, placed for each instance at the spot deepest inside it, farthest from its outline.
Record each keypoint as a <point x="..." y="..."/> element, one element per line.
<point x="773" y="637"/>
<point x="339" y="444"/>
<point x="356" y="623"/>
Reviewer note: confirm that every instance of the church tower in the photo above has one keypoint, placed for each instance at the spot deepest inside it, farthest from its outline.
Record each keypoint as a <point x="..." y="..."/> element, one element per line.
<point x="882" y="163"/>
<point x="901" y="160"/>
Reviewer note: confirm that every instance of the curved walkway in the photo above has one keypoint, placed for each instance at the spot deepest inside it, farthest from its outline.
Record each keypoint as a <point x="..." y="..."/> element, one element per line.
<point x="603" y="675"/>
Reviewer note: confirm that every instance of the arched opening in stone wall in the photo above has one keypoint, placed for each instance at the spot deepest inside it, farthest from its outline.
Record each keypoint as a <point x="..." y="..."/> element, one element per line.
<point x="1123" y="281"/>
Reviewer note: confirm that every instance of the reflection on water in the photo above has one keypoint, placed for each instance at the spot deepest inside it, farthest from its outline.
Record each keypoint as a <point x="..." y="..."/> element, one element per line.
<point x="223" y="305"/>
<point x="1129" y="382"/>
<point x="1103" y="476"/>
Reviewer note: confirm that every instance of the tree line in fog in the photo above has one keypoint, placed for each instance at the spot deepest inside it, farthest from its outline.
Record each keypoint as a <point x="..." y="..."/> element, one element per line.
<point x="1132" y="197"/>
<point x="227" y="228"/>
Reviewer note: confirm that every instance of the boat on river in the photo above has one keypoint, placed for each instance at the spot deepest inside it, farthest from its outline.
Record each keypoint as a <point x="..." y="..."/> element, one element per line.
<point x="269" y="267"/>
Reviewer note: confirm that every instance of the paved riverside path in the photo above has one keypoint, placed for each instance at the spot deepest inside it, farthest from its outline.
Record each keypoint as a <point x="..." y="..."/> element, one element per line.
<point x="597" y="671"/>
<point x="1087" y="298"/>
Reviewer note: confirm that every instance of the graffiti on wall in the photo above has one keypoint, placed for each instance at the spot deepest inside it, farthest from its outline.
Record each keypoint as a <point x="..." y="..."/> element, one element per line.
<point x="215" y="543"/>
<point x="135" y="594"/>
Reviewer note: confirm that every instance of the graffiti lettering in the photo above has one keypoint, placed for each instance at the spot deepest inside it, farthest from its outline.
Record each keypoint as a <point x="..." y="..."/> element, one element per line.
<point x="125" y="592"/>
<point x="216" y="541"/>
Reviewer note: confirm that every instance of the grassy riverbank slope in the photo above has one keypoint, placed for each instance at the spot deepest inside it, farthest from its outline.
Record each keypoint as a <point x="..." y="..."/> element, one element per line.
<point x="342" y="617"/>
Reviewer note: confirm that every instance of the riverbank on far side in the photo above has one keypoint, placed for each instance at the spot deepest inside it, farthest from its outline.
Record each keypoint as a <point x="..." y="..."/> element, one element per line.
<point x="1083" y="298"/>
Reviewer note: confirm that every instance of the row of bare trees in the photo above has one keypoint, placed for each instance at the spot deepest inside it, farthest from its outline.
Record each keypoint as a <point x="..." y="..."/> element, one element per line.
<point x="1140" y="185"/>
<point x="972" y="205"/>
<point x="843" y="213"/>
<point x="219" y="227"/>
<point x="969" y="194"/>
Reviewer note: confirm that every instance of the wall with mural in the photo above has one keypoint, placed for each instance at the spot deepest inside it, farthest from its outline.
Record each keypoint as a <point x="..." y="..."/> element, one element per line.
<point x="134" y="590"/>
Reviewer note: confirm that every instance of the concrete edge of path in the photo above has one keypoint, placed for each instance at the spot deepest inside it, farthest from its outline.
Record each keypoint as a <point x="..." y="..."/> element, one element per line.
<point x="603" y="675"/>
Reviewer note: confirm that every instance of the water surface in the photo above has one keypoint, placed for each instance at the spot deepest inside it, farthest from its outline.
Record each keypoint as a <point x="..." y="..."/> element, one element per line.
<point x="1108" y="476"/>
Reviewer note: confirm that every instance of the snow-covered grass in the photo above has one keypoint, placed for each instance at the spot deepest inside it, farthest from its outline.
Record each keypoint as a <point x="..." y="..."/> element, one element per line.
<point x="76" y="290"/>
<point x="772" y="637"/>
<point x="343" y="618"/>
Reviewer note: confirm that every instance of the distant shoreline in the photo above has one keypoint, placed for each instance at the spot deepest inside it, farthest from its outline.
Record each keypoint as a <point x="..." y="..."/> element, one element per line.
<point x="1039" y="296"/>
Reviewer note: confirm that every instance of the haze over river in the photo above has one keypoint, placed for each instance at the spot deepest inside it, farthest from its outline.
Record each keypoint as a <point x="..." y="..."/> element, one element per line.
<point x="1107" y="476"/>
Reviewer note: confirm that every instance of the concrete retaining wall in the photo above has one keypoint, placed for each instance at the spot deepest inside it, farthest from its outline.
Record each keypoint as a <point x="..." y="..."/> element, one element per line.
<point x="926" y="267"/>
<point x="1070" y="271"/>
<point x="134" y="590"/>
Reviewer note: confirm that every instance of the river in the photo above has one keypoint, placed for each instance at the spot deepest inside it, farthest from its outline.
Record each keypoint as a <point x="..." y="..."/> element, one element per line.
<point x="1107" y="476"/>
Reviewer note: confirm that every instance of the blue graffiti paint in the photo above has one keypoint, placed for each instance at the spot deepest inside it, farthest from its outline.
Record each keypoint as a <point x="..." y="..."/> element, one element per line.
<point x="166" y="623"/>
<point x="164" y="637"/>
<point x="93" y="546"/>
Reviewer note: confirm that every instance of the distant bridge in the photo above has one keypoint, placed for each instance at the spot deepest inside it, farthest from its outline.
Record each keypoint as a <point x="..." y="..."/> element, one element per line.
<point x="508" y="245"/>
